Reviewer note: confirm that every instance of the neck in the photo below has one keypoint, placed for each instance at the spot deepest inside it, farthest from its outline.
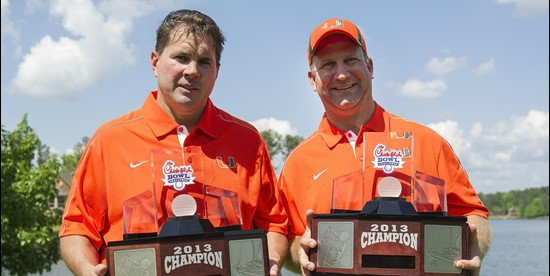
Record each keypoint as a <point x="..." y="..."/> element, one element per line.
<point x="346" y="121"/>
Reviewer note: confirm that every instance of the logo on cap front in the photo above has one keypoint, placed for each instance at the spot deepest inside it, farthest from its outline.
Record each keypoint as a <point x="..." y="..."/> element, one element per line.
<point x="337" y="23"/>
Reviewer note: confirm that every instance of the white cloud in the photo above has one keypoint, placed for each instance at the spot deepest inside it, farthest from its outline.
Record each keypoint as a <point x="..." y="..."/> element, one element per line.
<point x="282" y="127"/>
<point x="451" y="131"/>
<point x="512" y="154"/>
<point x="97" y="48"/>
<point x="527" y="8"/>
<point x="485" y="68"/>
<point x="445" y="66"/>
<point x="414" y="88"/>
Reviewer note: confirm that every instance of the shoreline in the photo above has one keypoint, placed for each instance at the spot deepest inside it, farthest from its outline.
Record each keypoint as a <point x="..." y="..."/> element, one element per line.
<point x="506" y="217"/>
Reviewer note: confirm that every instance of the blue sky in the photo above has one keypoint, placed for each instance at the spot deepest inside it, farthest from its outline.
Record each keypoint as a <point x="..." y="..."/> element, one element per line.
<point x="476" y="71"/>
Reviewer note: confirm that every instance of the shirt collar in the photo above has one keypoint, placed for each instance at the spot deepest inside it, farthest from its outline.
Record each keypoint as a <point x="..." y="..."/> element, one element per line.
<point x="332" y="135"/>
<point x="161" y="123"/>
<point x="209" y="120"/>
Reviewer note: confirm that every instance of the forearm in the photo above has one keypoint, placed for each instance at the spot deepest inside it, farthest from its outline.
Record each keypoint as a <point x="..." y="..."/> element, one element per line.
<point x="79" y="254"/>
<point x="292" y="261"/>
<point x="484" y="233"/>
<point x="277" y="247"/>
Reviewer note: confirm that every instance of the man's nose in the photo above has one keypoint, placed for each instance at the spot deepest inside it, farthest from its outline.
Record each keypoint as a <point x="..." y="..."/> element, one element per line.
<point x="342" y="72"/>
<point x="191" y="70"/>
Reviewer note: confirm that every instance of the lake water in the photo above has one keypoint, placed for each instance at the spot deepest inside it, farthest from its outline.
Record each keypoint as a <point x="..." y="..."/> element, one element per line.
<point x="520" y="247"/>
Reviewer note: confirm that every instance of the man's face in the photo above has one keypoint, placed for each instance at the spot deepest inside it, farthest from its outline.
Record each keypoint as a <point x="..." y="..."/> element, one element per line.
<point x="341" y="75"/>
<point x="186" y="71"/>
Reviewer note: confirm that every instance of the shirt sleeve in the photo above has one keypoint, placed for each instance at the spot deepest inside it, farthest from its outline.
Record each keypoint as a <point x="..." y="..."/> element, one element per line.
<point x="86" y="201"/>
<point x="296" y="225"/>
<point x="270" y="214"/>
<point x="462" y="199"/>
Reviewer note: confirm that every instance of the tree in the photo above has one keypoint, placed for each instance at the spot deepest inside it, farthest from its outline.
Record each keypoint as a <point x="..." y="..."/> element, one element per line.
<point x="277" y="144"/>
<point x="273" y="141"/>
<point x="291" y="141"/>
<point x="29" y="174"/>
<point x="70" y="160"/>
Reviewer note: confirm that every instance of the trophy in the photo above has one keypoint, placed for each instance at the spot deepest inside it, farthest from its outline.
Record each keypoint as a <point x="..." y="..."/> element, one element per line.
<point x="402" y="229"/>
<point x="184" y="226"/>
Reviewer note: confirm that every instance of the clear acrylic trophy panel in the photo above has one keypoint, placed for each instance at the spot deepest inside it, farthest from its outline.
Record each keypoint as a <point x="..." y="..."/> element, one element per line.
<point x="388" y="164"/>
<point x="429" y="194"/>
<point x="139" y="214"/>
<point x="347" y="193"/>
<point x="388" y="158"/>
<point x="178" y="191"/>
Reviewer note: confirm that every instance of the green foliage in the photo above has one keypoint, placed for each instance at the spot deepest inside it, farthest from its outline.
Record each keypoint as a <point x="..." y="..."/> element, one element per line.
<point x="528" y="203"/>
<point x="290" y="143"/>
<point x="29" y="174"/>
<point x="70" y="160"/>
<point x="276" y="143"/>
<point x="273" y="141"/>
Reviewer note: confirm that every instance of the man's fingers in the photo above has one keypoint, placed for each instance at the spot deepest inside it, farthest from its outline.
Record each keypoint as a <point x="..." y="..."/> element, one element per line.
<point x="307" y="266"/>
<point x="308" y="243"/>
<point x="274" y="271"/>
<point x="100" y="269"/>
<point x="473" y="264"/>
<point x="473" y="228"/>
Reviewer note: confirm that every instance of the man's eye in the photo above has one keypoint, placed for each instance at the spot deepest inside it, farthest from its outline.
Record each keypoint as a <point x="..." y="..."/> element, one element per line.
<point x="205" y="62"/>
<point x="182" y="59"/>
<point x="328" y="66"/>
<point x="351" y="61"/>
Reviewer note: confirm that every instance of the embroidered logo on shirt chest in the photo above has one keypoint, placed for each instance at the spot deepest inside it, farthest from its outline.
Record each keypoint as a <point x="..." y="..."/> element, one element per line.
<point x="319" y="174"/>
<point x="223" y="165"/>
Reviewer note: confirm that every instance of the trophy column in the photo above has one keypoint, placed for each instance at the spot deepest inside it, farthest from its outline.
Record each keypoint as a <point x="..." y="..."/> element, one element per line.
<point x="183" y="227"/>
<point x="402" y="228"/>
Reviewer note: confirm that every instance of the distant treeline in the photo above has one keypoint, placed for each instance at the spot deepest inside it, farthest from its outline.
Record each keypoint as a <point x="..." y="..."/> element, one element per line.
<point x="528" y="203"/>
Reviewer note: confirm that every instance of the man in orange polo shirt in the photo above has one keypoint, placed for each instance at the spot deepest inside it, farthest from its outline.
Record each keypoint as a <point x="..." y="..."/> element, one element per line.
<point x="116" y="164"/>
<point x="341" y="73"/>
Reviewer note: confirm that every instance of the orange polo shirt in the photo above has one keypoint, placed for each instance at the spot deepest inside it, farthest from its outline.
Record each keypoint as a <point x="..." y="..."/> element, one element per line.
<point x="224" y="152"/>
<point x="307" y="177"/>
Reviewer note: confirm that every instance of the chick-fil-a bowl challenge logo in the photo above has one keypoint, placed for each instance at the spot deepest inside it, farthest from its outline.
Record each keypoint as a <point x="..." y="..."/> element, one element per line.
<point x="177" y="176"/>
<point x="388" y="160"/>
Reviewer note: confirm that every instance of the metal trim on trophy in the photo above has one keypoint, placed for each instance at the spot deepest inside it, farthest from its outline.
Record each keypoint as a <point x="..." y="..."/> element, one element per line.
<point x="388" y="218"/>
<point x="184" y="226"/>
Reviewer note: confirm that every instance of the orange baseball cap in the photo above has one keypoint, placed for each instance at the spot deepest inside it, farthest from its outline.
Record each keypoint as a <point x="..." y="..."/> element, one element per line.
<point x="334" y="26"/>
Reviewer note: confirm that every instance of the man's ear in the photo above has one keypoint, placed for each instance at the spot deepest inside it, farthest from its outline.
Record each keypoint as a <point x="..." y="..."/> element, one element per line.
<point x="311" y="78"/>
<point x="154" y="60"/>
<point x="370" y="65"/>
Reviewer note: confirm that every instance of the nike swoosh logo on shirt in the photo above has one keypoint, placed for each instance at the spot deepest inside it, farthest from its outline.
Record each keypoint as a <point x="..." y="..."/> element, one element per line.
<point x="319" y="174"/>
<point x="132" y="165"/>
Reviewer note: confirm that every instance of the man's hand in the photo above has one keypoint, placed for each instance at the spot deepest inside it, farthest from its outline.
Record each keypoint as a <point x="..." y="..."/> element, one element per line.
<point x="100" y="269"/>
<point x="479" y="242"/>
<point x="80" y="256"/>
<point x="474" y="263"/>
<point x="304" y="244"/>
<point x="277" y="247"/>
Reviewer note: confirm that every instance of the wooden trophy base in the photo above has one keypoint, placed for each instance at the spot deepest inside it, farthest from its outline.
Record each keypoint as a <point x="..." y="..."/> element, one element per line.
<point x="388" y="244"/>
<point x="191" y="246"/>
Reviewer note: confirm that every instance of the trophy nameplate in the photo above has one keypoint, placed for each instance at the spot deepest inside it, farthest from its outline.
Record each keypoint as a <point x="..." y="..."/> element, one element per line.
<point x="402" y="229"/>
<point x="210" y="253"/>
<point x="356" y="244"/>
<point x="200" y="228"/>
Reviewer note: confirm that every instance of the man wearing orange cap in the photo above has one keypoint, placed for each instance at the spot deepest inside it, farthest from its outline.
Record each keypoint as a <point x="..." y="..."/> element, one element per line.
<point x="116" y="164"/>
<point x="341" y="73"/>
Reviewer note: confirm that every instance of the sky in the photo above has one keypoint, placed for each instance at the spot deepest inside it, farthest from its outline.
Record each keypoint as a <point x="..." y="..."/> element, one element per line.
<point x="475" y="71"/>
